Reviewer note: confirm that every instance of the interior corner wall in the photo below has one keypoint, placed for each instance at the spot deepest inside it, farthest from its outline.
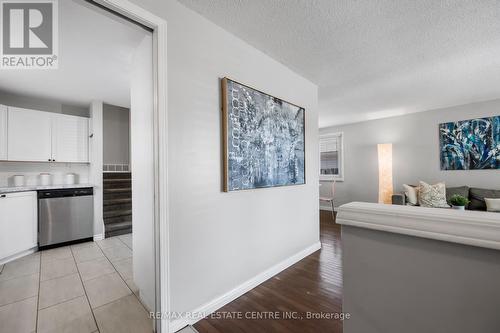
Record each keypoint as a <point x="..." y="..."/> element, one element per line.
<point x="220" y="240"/>
<point x="116" y="128"/>
<point x="415" y="139"/>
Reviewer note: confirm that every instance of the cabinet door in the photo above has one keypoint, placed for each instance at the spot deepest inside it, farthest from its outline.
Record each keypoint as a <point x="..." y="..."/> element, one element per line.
<point x="29" y="135"/>
<point x="70" y="139"/>
<point x="3" y="132"/>
<point x="18" y="223"/>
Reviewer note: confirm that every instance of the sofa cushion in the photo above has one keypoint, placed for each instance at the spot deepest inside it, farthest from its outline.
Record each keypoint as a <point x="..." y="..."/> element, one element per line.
<point x="451" y="191"/>
<point x="493" y="205"/>
<point x="432" y="195"/>
<point x="411" y="193"/>
<point x="477" y="195"/>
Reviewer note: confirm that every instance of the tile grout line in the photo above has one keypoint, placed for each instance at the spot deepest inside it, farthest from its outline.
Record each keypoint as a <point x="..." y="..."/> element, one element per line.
<point x="137" y="298"/>
<point x="18" y="277"/>
<point x="85" y="291"/>
<point x="120" y="276"/>
<point x="57" y="277"/>
<point x="22" y="275"/>
<point x="61" y="302"/>
<point x="100" y="276"/>
<point x="124" y="242"/>
<point x="21" y="300"/>
<point x="38" y="293"/>
<point x="116" y="271"/>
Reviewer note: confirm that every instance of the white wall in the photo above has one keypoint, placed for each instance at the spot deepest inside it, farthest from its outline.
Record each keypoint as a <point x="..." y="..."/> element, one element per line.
<point x="42" y="104"/>
<point x="220" y="240"/>
<point x="142" y="167"/>
<point x="415" y="139"/>
<point x="116" y="134"/>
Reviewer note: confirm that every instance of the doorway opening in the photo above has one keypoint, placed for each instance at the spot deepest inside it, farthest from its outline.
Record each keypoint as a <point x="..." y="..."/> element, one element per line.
<point x="97" y="119"/>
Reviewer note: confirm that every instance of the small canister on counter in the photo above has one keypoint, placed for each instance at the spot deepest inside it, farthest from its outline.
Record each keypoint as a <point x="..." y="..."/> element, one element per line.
<point x="18" y="180"/>
<point x="70" y="178"/>
<point x="45" y="179"/>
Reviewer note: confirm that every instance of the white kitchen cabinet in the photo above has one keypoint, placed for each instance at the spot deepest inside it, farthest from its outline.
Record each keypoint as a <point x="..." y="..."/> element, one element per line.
<point x="29" y="135"/>
<point x="18" y="223"/>
<point x="70" y="141"/>
<point x="3" y="132"/>
<point x="37" y="136"/>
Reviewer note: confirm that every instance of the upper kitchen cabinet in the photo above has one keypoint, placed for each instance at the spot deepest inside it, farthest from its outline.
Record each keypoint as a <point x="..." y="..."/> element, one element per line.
<point x="38" y="136"/>
<point x="70" y="139"/>
<point x="3" y="132"/>
<point x="29" y="135"/>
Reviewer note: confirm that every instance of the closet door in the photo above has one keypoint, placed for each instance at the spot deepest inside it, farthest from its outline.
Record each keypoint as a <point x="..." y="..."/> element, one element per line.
<point x="29" y="135"/>
<point x="70" y="139"/>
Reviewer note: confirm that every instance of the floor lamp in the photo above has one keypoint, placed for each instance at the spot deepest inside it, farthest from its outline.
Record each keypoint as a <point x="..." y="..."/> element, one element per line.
<point x="385" y="184"/>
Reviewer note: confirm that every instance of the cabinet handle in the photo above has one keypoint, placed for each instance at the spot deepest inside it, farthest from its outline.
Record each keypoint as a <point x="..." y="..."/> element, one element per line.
<point x="3" y="196"/>
<point x="50" y="160"/>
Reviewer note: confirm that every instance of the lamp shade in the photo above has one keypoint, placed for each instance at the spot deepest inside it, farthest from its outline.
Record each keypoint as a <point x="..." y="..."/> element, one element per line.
<point x="385" y="184"/>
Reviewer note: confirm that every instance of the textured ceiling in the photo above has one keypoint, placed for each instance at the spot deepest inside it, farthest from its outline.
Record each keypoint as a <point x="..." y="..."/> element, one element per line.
<point x="374" y="59"/>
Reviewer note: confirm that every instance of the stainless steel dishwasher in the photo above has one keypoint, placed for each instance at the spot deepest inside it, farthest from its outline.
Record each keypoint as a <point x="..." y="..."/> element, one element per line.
<point x="65" y="215"/>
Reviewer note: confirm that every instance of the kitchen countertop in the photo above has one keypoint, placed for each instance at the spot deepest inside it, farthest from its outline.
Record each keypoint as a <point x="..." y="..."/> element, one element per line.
<point x="13" y="189"/>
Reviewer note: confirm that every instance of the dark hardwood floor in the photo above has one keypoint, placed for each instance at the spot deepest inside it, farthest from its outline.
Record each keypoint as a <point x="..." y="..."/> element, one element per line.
<point x="312" y="285"/>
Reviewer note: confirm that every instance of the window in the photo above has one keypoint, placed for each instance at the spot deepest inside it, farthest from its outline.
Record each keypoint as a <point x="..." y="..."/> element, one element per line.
<point x="331" y="149"/>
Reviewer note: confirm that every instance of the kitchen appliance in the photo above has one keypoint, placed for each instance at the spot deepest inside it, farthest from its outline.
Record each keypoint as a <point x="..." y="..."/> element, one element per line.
<point x="18" y="180"/>
<point x="65" y="215"/>
<point x="45" y="179"/>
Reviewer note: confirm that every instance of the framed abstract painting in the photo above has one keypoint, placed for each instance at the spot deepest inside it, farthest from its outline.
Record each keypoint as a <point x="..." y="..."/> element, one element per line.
<point x="470" y="144"/>
<point x="263" y="139"/>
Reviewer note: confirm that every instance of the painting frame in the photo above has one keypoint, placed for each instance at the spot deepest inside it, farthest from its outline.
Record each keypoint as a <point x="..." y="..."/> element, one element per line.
<point x="470" y="144"/>
<point x="225" y="136"/>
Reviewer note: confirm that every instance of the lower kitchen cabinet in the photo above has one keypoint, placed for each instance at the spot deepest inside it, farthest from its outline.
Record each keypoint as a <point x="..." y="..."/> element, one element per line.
<point x="18" y="223"/>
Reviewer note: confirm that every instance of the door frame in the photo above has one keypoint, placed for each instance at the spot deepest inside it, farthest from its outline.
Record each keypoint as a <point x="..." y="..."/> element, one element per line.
<point x="160" y="147"/>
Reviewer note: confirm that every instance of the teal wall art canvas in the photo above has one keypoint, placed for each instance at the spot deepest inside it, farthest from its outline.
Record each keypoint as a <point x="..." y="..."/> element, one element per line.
<point x="470" y="144"/>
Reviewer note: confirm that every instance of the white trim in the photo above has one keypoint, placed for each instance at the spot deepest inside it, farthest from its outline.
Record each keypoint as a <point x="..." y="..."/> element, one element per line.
<point x="162" y="241"/>
<point x="464" y="227"/>
<point x="98" y="237"/>
<point x="96" y="158"/>
<point x="212" y="306"/>
<point x="340" y="177"/>
<point x="18" y="255"/>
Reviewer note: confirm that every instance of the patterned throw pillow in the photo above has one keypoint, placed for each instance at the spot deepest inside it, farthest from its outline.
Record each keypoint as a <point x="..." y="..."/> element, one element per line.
<point x="432" y="195"/>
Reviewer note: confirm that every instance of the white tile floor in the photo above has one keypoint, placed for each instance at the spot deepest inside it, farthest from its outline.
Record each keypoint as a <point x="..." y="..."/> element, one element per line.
<point x="79" y="288"/>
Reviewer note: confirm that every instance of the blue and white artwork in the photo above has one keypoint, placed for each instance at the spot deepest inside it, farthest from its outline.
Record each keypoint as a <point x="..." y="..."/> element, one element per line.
<point x="470" y="144"/>
<point x="263" y="139"/>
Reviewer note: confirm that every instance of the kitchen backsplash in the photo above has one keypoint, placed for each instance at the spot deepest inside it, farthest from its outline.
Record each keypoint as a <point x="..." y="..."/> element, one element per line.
<point x="32" y="170"/>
